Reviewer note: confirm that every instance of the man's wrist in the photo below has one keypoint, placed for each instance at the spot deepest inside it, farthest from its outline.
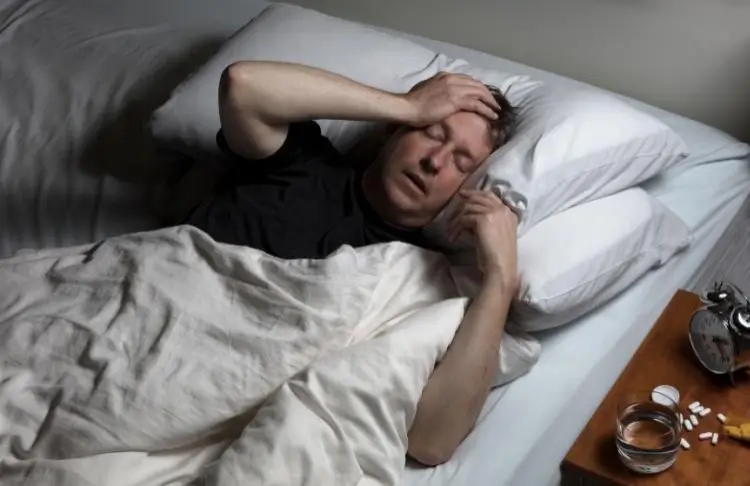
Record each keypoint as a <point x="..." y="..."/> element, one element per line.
<point x="498" y="284"/>
<point x="404" y="111"/>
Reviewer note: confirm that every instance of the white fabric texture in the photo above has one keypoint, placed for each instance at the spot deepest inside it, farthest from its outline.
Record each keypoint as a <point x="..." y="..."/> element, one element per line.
<point x="578" y="259"/>
<point x="164" y="340"/>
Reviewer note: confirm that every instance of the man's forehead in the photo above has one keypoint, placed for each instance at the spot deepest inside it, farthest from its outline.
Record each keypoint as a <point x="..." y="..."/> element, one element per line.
<point x="472" y="128"/>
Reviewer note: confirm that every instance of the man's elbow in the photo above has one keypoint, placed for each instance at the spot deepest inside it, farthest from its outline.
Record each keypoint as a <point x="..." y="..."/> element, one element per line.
<point x="429" y="453"/>
<point x="235" y="78"/>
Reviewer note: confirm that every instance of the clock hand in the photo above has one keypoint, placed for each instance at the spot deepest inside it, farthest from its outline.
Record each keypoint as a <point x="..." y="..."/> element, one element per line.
<point x="720" y="340"/>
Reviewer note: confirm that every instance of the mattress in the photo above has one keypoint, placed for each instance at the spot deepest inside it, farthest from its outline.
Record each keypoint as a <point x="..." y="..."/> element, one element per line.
<point x="74" y="160"/>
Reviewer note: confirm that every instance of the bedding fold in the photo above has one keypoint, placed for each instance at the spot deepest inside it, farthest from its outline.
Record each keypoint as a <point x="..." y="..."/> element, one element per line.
<point x="162" y="340"/>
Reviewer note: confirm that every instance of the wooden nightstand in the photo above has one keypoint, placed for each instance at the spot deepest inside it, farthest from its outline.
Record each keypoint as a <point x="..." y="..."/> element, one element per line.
<point x="665" y="357"/>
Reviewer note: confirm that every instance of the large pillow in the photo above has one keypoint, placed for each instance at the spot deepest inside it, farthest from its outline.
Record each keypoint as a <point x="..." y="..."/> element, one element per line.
<point x="572" y="145"/>
<point x="578" y="259"/>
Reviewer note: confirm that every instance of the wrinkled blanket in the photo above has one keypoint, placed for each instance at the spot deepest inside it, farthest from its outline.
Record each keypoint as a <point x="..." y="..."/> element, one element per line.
<point x="159" y="340"/>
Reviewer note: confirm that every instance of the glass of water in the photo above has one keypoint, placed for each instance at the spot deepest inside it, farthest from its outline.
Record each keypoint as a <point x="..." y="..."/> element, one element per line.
<point x="648" y="431"/>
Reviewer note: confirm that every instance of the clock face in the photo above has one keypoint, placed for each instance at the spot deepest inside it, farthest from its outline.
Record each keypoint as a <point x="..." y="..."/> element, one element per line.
<point x="711" y="341"/>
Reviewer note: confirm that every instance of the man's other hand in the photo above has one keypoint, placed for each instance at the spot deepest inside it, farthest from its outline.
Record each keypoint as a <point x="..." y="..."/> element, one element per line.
<point x="493" y="226"/>
<point x="442" y="95"/>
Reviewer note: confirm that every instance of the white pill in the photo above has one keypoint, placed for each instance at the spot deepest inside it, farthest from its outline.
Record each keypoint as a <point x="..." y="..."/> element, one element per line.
<point x="665" y="395"/>
<point x="685" y="444"/>
<point x="698" y="409"/>
<point x="721" y="418"/>
<point x="694" y="420"/>
<point x="694" y="404"/>
<point x="688" y="425"/>
<point x="704" y="412"/>
<point x="715" y="439"/>
<point x="706" y="435"/>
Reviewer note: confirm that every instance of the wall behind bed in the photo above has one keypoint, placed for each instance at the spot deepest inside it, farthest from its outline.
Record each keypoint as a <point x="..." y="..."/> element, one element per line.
<point x="688" y="56"/>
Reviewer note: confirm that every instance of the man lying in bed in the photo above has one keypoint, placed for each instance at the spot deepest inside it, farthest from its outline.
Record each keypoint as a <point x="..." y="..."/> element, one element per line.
<point x="293" y="195"/>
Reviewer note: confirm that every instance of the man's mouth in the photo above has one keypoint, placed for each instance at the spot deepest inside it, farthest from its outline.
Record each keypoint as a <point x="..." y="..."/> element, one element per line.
<point x="417" y="181"/>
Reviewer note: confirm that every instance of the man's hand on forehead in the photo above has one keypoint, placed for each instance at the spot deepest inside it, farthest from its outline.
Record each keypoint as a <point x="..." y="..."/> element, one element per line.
<point x="442" y="95"/>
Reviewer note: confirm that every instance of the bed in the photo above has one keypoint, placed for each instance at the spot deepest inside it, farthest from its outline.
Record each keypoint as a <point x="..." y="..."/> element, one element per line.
<point x="74" y="156"/>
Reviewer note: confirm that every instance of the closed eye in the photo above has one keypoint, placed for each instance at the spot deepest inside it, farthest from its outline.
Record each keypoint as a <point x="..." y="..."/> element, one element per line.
<point x="464" y="162"/>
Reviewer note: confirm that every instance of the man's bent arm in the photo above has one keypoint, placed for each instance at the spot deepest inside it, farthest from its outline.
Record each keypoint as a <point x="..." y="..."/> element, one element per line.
<point x="456" y="391"/>
<point x="258" y="101"/>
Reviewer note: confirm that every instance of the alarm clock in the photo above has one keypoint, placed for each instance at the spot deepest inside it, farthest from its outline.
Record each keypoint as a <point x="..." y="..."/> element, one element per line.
<point x="719" y="331"/>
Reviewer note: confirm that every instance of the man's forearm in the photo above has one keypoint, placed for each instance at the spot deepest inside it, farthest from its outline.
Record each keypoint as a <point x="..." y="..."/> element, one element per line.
<point x="456" y="391"/>
<point x="283" y="93"/>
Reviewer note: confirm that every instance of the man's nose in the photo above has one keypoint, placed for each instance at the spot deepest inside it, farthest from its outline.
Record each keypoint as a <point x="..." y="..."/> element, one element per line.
<point x="434" y="162"/>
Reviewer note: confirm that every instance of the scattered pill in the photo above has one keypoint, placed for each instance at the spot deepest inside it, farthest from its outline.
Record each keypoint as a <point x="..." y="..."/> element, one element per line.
<point x="666" y="395"/>
<point x="715" y="439"/>
<point x="685" y="444"/>
<point x="688" y="425"/>
<point x="704" y="412"/>
<point x="721" y="418"/>
<point x="693" y="407"/>
<point x="694" y="404"/>
<point x="694" y="420"/>
<point x="706" y="435"/>
<point x="698" y="409"/>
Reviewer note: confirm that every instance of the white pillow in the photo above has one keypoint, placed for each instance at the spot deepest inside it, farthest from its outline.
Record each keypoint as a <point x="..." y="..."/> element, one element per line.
<point x="572" y="145"/>
<point x="189" y="120"/>
<point x="577" y="260"/>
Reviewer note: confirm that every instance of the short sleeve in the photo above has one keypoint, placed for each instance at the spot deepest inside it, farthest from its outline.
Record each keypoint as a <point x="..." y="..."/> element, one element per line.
<point x="304" y="142"/>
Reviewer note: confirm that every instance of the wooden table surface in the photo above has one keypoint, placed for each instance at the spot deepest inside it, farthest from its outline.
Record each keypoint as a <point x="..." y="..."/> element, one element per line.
<point x="665" y="357"/>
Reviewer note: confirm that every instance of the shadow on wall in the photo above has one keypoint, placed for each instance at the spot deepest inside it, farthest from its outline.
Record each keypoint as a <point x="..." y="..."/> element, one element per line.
<point x="122" y="147"/>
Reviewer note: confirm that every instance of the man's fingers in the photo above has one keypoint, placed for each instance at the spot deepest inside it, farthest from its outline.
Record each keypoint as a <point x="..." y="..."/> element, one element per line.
<point x="487" y="197"/>
<point x="479" y="107"/>
<point x="477" y="209"/>
<point x="469" y="102"/>
<point x="479" y="101"/>
<point x="484" y="94"/>
<point x="464" y="224"/>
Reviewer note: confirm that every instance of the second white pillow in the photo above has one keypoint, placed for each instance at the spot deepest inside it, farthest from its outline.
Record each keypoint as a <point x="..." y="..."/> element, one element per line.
<point x="577" y="260"/>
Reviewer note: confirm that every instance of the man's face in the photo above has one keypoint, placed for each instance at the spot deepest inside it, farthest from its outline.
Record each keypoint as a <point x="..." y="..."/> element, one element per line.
<point x="422" y="168"/>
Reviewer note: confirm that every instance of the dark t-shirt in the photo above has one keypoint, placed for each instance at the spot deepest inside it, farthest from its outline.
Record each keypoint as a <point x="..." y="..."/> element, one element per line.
<point x="304" y="201"/>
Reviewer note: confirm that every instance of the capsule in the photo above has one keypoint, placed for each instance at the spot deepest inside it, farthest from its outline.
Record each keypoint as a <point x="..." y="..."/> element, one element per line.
<point x="688" y="425"/>
<point x="685" y="444"/>
<point x="721" y="418"/>
<point x="706" y="435"/>
<point x="715" y="439"/>
<point x="694" y="420"/>
<point x="704" y="412"/>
